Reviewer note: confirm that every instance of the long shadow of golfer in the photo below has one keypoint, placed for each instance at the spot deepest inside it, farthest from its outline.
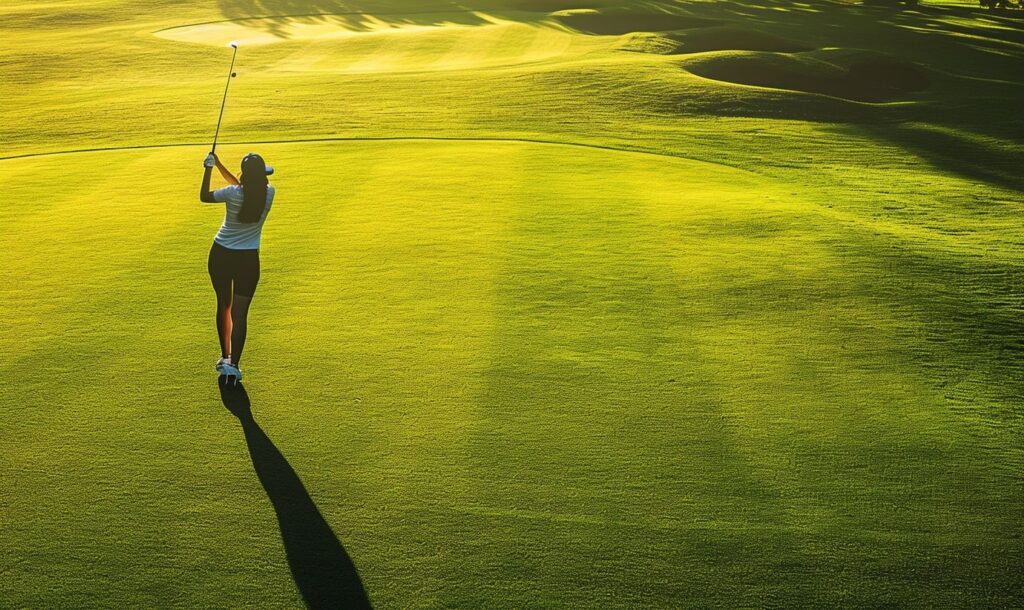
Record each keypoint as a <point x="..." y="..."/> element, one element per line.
<point x="323" y="571"/>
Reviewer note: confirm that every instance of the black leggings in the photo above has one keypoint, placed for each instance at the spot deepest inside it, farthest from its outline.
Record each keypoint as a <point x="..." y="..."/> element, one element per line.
<point x="233" y="271"/>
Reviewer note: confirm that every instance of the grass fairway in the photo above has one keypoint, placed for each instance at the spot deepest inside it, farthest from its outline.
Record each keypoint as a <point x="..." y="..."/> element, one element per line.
<point x="569" y="304"/>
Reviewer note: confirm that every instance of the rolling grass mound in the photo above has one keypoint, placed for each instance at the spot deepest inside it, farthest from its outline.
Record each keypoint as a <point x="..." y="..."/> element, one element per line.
<point x="618" y="23"/>
<point x="872" y="78"/>
<point x="888" y="74"/>
<point x="435" y="49"/>
<point x="547" y="6"/>
<point x="720" y="38"/>
<point x="875" y="69"/>
<point x="366" y="43"/>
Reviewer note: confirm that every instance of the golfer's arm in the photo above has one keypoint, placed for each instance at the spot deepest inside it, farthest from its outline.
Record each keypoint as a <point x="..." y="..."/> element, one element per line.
<point x="204" y="191"/>
<point x="226" y="174"/>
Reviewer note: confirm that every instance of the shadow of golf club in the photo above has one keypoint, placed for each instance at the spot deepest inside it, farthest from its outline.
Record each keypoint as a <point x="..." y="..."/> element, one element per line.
<point x="323" y="571"/>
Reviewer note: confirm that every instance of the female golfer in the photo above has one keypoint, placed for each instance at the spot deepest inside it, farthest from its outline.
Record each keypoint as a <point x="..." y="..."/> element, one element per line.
<point x="234" y="262"/>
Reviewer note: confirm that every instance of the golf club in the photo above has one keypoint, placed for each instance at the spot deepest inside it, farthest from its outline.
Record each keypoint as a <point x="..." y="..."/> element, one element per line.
<point x="231" y="74"/>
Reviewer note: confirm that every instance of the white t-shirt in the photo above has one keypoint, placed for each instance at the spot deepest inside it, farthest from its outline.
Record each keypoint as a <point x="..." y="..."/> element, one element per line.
<point x="234" y="234"/>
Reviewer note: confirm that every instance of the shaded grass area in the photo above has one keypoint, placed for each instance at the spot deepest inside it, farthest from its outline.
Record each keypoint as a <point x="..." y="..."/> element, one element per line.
<point x="979" y="157"/>
<point x="872" y="79"/>
<point x="615" y="23"/>
<point x="719" y="38"/>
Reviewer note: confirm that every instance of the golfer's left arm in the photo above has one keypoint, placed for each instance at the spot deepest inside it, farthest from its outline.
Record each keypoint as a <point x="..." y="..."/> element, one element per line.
<point x="205" y="195"/>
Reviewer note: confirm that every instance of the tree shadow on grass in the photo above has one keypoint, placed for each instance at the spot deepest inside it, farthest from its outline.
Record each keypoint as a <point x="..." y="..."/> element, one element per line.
<point x="323" y="571"/>
<point x="276" y="16"/>
<point x="960" y="152"/>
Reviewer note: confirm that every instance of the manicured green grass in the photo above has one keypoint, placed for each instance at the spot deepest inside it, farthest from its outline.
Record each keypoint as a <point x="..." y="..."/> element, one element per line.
<point x="546" y="319"/>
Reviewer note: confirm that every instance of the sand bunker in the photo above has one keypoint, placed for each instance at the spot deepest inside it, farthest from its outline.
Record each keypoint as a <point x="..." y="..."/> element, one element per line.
<point x="616" y="24"/>
<point x="874" y="79"/>
<point x="273" y="30"/>
<point x="365" y="43"/>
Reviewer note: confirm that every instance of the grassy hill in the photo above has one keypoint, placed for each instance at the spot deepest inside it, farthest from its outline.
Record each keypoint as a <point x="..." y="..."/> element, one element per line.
<point x="564" y="304"/>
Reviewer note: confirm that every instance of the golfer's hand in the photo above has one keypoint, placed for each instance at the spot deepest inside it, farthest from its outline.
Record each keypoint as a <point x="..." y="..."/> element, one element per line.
<point x="211" y="161"/>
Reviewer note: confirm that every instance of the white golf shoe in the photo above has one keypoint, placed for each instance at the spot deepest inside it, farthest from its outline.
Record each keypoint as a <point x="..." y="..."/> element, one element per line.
<point x="230" y="371"/>
<point x="221" y="362"/>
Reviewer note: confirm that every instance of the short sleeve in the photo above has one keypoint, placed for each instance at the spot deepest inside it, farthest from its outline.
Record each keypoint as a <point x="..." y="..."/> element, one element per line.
<point x="223" y="194"/>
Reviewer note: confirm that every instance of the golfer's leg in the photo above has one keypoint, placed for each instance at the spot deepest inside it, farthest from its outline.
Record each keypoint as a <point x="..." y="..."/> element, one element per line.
<point x="247" y="277"/>
<point x="220" y="277"/>
<point x="224" y="324"/>
<point x="239" y="326"/>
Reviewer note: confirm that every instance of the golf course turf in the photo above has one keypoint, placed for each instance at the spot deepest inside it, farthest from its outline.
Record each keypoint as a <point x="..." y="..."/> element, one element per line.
<point x="591" y="304"/>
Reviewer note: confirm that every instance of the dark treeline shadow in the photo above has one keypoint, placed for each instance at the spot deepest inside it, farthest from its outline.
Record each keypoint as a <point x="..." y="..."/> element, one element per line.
<point x="272" y="16"/>
<point x="323" y="571"/>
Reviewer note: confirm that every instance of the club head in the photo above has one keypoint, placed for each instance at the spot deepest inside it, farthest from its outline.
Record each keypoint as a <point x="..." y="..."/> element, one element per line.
<point x="233" y="44"/>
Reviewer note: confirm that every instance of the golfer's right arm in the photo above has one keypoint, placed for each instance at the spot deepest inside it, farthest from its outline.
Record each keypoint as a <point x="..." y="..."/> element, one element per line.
<point x="205" y="195"/>
<point x="227" y="175"/>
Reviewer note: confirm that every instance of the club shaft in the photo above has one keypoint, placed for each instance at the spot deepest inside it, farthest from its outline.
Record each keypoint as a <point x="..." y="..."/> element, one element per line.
<point x="224" y="100"/>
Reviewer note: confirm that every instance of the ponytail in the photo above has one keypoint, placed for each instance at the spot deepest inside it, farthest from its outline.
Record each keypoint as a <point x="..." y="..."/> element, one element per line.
<point x="254" y="191"/>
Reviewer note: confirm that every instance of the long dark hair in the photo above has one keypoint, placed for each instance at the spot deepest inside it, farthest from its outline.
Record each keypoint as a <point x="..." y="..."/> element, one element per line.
<point x="254" y="188"/>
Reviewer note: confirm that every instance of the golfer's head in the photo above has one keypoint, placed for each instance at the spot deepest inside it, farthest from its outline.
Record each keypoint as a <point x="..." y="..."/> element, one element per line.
<point x="254" y="165"/>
